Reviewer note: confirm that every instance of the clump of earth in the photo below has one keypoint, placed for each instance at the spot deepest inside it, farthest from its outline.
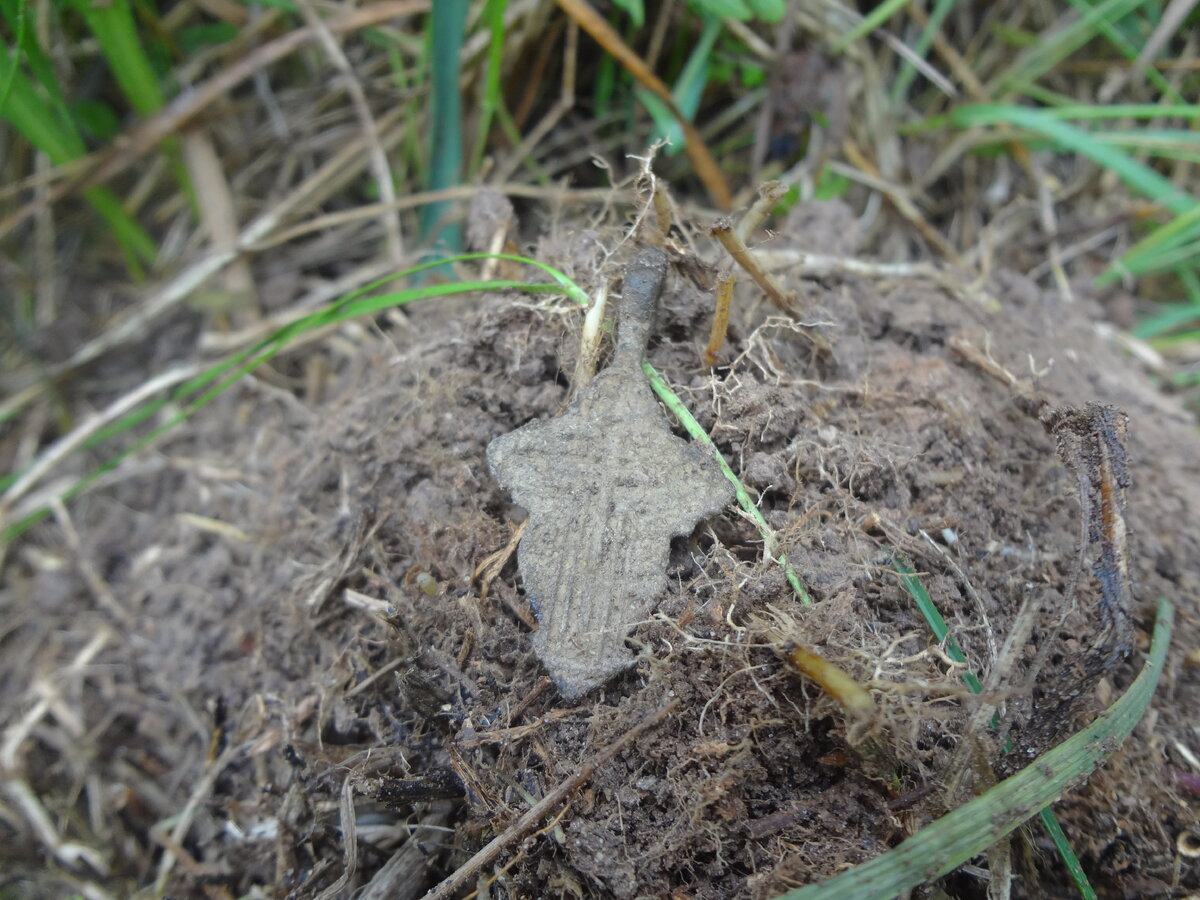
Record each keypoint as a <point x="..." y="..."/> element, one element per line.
<point x="325" y="616"/>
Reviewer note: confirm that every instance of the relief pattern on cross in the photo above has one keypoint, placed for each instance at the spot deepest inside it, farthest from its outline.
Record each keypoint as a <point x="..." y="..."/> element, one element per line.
<point x="606" y="485"/>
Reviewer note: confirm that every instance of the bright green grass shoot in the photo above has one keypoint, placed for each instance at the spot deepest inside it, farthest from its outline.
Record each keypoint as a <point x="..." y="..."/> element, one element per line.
<point x="1116" y="35"/>
<point x="1138" y="176"/>
<point x="745" y="501"/>
<point x="6" y="82"/>
<point x="113" y="26"/>
<point x="38" y="110"/>
<point x="1153" y="252"/>
<point x="125" y="50"/>
<point x="413" y="155"/>
<point x="1063" y="845"/>
<point x="1034" y="62"/>
<point x="1172" y="247"/>
<point x="687" y="90"/>
<point x="493" y="93"/>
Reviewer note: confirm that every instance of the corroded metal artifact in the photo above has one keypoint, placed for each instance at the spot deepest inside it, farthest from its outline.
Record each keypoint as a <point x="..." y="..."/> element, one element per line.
<point x="607" y="486"/>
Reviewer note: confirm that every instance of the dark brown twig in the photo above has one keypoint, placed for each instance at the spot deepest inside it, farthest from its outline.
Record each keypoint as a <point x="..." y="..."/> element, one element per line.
<point x="720" y="325"/>
<point x="731" y="240"/>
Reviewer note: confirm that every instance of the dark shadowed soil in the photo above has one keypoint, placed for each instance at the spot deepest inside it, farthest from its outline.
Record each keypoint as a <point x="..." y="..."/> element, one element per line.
<point x="308" y="644"/>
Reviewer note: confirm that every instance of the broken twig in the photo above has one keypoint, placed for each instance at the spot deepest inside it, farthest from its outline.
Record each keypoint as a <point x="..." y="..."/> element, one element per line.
<point x="467" y="872"/>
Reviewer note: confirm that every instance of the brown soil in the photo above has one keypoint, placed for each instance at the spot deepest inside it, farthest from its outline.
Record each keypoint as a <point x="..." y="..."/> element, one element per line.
<point x="305" y="642"/>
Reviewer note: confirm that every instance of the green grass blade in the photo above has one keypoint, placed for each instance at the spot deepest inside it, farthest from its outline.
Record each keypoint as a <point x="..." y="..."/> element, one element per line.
<point x="116" y="32"/>
<point x="1149" y="140"/>
<point x="1176" y="340"/>
<point x="688" y="89"/>
<point x="1139" y="258"/>
<point x="1067" y="852"/>
<point x="1167" y="258"/>
<point x="912" y="584"/>
<point x="135" y="242"/>
<point x="870" y="22"/>
<point x="26" y="110"/>
<point x="1090" y="111"/>
<point x="908" y="71"/>
<point x="937" y="624"/>
<point x="15" y="58"/>
<point x="14" y="12"/>
<point x="1139" y="177"/>
<point x="1058" y="107"/>
<point x="692" y="80"/>
<point x="493" y="96"/>
<point x="636" y="10"/>
<point x="112" y="24"/>
<point x="1189" y="276"/>
<point x="448" y="22"/>
<point x="1158" y="325"/>
<point x="745" y="501"/>
<point x="1054" y="48"/>
<point x="604" y="86"/>
<point x="1131" y="51"/>
<point x="969" y="830"/>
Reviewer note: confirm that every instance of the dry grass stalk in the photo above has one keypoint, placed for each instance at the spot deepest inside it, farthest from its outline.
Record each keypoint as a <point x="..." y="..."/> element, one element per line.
<point x="51" y="700"/>
<point x="977" y="725"/>
<point x="188" y="814"/>
<point x="104" y="597"/>
<point x="16" y="733"/>
<point x="69" y="853"/>
<point x="551" y="193"/>
<point x="589" y="341"/>
<point x="218" y="215"/>
<point x="399" y="878"/>
<point x="468" y="871"/>
<point x="375" y="152"/>
<point x="349" y="824"/>
<point x="769" y="195"/>
<point x="819" y="265"/>
<point x="720" y="325"/>
<point x="903" y="203"/>
<point x="340" y="168"/>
